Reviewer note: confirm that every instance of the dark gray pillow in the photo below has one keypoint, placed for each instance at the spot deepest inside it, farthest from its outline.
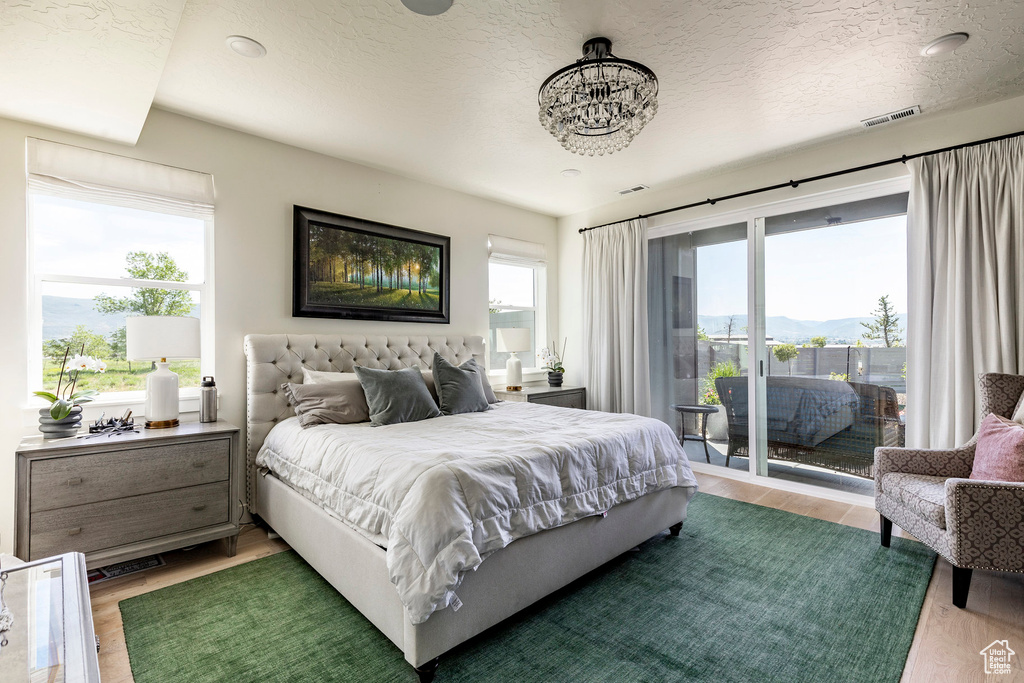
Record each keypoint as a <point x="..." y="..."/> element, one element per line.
<point x="396" y="396"/>
<point x="333" y="402"/>
<point x="459" y="389"/>
<point x="482" y="373"/>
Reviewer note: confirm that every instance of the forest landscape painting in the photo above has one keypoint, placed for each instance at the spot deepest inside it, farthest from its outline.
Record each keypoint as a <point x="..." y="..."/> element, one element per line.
<point x="352" y="268"/>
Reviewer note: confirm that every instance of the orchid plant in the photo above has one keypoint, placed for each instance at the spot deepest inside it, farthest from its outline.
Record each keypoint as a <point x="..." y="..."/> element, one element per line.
<point x="65" y="397"/>
<point x="552" y="360"/>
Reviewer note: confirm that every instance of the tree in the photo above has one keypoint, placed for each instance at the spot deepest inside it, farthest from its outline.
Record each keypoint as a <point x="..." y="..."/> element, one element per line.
<point x="143" y="265"/>
<point x="785" y="353"/>
<point x="819" y="342"/>
<point x="95" y="345"/>
<point x="728" y="328"/>
<point x="702" y="335"/>
<point x="886" y="326"/>
<point x="118" y="341"/>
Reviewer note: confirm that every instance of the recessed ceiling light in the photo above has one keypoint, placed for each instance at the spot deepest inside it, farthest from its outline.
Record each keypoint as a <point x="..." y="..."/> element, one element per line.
<point x="428" y="8"/>
<point x="947" y="43"/>
<point x="571" y="172"/>
<point x="247" y="47"/>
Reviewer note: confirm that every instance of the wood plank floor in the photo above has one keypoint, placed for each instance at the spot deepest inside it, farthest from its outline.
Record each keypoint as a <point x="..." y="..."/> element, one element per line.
<point x="946" y="644"/>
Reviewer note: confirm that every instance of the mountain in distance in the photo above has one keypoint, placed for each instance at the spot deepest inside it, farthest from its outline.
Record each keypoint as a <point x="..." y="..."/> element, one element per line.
<point x="62" y="314"/>
<point x="783" y="329"/>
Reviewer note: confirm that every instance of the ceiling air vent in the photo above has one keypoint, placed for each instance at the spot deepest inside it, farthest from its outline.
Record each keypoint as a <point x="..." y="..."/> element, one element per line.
<point x="635" y="188"/>
<point x="891" y="116"/>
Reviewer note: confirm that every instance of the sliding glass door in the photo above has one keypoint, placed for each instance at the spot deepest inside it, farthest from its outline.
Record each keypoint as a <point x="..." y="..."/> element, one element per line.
<point x="786" y="332"/>
<point x="697" y="300"/>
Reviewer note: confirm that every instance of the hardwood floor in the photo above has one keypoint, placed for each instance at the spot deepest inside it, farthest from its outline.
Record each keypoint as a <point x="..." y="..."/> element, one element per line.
<point x="946" y="644"/>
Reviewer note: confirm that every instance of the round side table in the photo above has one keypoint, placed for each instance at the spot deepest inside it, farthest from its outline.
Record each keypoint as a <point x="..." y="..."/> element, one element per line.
<point x="703" y="412"/>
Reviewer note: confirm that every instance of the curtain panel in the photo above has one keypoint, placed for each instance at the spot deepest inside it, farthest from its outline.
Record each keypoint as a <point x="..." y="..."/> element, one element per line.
<point x="616" y="358"/>
<point x="966" y="285"/>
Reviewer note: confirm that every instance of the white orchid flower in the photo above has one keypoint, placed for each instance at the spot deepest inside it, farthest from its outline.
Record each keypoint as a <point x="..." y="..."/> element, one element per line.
<point x="101" y="366"/>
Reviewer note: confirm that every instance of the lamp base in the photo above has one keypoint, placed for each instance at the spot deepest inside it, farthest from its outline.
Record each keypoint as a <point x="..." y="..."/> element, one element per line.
<point x="513" y="388"/>
<point x="161" y="424"/>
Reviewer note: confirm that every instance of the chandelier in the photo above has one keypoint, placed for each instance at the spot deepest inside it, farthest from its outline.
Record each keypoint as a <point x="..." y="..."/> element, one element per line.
<point x="600" y="103"/>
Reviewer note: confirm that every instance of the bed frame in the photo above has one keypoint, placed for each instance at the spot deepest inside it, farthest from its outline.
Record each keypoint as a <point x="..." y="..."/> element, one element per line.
<point x="508" y="581"/>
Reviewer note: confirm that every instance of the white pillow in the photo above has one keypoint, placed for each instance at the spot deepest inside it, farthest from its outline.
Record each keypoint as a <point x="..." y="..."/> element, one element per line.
<point x="321" y="377"/>
<point x="1018" y="412"/>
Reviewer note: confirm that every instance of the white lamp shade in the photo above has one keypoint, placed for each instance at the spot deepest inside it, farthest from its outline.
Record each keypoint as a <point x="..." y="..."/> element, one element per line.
<point x="513" y="339"/>
<point x="152" y="337"/>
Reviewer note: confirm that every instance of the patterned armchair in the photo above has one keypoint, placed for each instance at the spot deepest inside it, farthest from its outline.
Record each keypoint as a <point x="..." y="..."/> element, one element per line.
<point x="973" y="524"/>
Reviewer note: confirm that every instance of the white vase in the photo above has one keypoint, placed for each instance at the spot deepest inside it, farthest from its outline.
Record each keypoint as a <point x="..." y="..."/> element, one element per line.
<point x="718" y="425"/>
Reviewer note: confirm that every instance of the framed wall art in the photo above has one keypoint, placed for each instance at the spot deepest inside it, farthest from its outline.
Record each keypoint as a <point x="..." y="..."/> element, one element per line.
<point x="355" y="269"/>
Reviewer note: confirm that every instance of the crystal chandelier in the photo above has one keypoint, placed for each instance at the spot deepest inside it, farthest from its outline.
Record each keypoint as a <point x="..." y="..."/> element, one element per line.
<point x="600" y="103"/>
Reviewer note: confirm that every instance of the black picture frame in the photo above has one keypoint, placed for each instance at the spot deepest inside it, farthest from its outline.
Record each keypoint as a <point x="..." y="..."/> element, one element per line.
<point x="337" y="259"/>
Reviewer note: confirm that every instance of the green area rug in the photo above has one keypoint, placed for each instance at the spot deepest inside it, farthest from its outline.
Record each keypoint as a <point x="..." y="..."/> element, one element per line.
<point x="746" y="593"/>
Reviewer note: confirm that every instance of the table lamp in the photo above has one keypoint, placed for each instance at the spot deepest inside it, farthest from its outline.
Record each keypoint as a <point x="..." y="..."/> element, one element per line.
<point x="510" y="340"/>
<point x="159" y="337"/>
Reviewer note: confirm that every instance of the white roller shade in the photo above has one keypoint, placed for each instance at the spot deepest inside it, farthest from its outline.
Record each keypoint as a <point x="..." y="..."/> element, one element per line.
<point x="517" y="251"/>
<point x="87" y="175"/>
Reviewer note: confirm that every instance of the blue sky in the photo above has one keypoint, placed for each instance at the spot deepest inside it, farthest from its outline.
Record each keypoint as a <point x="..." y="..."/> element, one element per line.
<point x="824" y="274"/>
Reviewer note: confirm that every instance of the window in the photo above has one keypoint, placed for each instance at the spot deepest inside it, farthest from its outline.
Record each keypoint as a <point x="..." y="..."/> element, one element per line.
<point x="516" y="296"/>
<point x="99" y="253"/>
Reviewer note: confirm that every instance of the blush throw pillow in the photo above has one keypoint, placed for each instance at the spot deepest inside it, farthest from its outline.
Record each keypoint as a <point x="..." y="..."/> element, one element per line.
<point x="999" y="454"/>
<point x="396" y="396"/>
<point x="327" y="403"/>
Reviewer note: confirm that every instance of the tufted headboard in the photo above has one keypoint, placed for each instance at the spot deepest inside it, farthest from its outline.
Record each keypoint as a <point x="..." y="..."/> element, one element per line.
<point x="273" y="359"/>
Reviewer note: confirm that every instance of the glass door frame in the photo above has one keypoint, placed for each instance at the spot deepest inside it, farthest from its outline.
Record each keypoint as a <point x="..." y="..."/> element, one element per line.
<point x="757" y="348"/>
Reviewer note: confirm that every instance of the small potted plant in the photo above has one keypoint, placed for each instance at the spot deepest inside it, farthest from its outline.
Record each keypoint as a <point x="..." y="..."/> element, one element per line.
<point x="553" y="363"/>
<point x="64" y="416"/>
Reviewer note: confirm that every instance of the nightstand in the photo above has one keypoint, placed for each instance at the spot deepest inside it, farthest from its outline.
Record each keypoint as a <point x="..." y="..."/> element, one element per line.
<point x="116" y="498"/>
<point x="566" y="397"/>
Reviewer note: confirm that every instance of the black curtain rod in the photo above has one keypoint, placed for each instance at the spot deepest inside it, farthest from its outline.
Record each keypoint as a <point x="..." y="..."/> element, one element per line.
<point x="796" y="183"/>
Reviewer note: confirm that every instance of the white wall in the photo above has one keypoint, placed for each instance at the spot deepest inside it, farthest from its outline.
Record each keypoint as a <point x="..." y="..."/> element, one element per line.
<point x="907" y="137"/>
<point x="257" y="182"/>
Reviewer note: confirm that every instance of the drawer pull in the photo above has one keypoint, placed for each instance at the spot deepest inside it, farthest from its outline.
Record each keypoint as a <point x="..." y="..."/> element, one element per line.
<point x="74" y="481"/>
<point x="199" y="464"/>
<point x="199" y="508"/>
<point x="75" y="531"/>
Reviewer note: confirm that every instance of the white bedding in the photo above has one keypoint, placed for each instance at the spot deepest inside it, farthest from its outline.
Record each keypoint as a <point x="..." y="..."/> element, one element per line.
<point x="442" y="494"/>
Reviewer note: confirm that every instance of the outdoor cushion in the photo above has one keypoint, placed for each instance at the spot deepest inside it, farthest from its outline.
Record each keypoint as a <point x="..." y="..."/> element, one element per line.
<point x="924" y="495"/>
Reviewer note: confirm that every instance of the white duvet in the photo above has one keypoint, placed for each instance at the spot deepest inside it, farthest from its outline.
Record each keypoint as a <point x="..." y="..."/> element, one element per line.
<point x="443" y="493"/>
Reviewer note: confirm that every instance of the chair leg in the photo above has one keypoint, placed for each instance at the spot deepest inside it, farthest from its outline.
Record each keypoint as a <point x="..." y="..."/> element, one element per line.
<point x="886" y="530"/>
<point x="961" y="585"/>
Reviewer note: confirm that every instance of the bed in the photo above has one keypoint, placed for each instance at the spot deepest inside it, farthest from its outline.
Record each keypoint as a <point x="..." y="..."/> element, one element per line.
<point x="509" y="576"/>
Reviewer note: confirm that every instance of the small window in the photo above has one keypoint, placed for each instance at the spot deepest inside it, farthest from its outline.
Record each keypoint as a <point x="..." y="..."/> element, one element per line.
<point x="100" y="254"/>
<point x="516" y="296"/>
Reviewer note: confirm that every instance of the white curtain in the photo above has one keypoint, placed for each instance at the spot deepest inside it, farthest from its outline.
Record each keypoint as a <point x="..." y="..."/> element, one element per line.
<point x="966" y="285"/>
<point x="616" y="362"/>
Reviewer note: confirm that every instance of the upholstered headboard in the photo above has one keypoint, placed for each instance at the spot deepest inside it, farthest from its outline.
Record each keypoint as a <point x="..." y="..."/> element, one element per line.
<point x="273" y="359"/>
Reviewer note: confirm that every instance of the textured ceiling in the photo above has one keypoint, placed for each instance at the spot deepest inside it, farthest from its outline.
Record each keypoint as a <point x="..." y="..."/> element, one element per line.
<point x="89" y="67"/>
<point x="452" y="99"/>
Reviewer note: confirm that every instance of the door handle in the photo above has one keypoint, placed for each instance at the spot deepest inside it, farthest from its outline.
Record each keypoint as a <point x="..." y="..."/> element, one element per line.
<point x="199" y="508"/>
<point x="199" y="464"/>
<point x="762" y="368"/>
<point x="75" y="531"/>
<point x="74" y="481"/>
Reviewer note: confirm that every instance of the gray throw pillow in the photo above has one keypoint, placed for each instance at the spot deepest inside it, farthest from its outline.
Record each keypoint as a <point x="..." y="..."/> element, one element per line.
<point x="458" y="387"/>
<point x="330" y="403"/>
<point x="396" y="396"/>
<point x="482" y="373"/>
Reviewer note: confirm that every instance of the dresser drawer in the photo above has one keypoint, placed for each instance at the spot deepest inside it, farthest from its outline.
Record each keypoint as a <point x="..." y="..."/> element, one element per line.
<point x="58" y="483"/>
<point x="87" y="528"/>
<point x="572" y="400"/>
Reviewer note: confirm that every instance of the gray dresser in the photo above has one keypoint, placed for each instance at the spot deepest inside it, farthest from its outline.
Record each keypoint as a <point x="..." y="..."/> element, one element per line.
<point x="566" y="397"/>
<point x="122" y="497"/>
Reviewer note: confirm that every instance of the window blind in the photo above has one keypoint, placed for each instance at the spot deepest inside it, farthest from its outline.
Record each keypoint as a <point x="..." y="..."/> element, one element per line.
<point x="88" y="175"/>
<point x="516" y="251"/>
